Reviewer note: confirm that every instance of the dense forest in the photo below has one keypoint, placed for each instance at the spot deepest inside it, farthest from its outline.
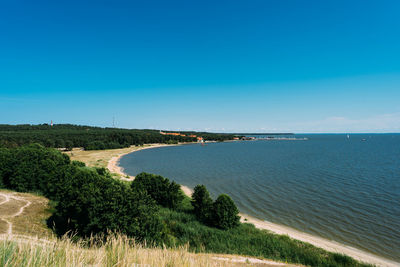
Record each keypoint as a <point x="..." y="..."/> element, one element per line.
<point x="88" y="201"/>
<point x="91" y="138"/>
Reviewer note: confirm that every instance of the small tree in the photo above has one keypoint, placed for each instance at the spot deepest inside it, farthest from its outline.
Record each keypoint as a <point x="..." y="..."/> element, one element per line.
<point x="225" y="213"/>
<point x="164" y="192"/>
<point x="69" y="145"/>
<point x="202" y="203"/>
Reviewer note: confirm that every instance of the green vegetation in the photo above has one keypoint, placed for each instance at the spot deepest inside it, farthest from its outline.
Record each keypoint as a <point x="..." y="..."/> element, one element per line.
<point x="225" y="213"/>
<point x="222" y="214"/>
<point x="247" y="240"/>
<point x="115" y="250"/>
<point x="165" y="193"/>
<point x="202" y="204"/>
<point x="90" y="138"/>
<point x="88" y="201"/>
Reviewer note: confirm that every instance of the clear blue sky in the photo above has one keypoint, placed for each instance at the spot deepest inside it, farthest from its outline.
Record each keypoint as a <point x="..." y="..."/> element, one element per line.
<point x="299" y="66"/>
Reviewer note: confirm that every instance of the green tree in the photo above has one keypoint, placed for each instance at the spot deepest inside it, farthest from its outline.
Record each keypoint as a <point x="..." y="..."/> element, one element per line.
<point x="69" y="145"/>
<point x="165" y="193"/>
<point x="202" y="203"/>
<point x="94" y="204"/>
<point x="5" y="167"/>
<point x="225" y="213"/>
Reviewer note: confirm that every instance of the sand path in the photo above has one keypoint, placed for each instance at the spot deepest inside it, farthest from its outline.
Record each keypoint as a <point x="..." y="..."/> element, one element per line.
<point x="5" y="217"/>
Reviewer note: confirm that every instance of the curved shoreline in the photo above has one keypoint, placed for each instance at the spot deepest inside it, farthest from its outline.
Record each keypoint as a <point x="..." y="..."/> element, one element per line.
<point x="114" y="167"/>
<point x="329" y="245"/>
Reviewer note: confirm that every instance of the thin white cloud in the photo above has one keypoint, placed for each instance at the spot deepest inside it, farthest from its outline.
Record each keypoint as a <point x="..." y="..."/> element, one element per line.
<point x="377" y="123"/>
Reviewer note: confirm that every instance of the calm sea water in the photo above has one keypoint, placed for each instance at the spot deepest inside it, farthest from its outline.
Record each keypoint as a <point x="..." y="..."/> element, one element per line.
<point x="347" y="190"/>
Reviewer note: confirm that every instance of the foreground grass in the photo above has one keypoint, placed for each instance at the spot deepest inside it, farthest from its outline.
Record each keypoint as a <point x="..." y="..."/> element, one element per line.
<point x="117" y="250"/>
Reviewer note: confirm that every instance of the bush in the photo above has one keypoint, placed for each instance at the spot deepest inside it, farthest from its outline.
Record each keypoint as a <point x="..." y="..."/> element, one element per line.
<point x="225" y="213"/>
<point x="96" y="145"/>
<point x="69" y="145"/>
<point x="78" y="163"/>
<point x="5" y="167"/>
<point x="202" y="204"/>
<point x="165" y="193"/>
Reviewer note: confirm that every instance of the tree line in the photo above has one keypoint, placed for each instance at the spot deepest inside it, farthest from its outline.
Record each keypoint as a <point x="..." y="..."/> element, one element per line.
<point x="90" y="138"/>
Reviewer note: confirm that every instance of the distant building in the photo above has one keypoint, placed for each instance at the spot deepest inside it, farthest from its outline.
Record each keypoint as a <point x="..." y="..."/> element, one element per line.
<point x="199" y="138"/>
<point x="247" y="138"/>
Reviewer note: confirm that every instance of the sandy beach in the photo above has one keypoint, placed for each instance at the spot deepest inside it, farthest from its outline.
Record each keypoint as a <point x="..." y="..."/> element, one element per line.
<point x="329" y="245"/>
<point x="113" y="165"/>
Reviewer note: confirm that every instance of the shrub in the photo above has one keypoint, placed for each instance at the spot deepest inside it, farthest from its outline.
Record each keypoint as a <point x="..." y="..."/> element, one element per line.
<point x="202" y="203"/>
<point x="165" y="193"/>
<point x="225" y="213"/>
<point x="95" y="145"/>
<point x="78" y="163"/>
<point x="5" y="167"/>
<point x="69" y="145"/>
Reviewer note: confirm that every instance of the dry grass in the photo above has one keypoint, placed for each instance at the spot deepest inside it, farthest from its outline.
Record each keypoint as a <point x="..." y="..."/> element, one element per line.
<point x="3" y="227"/>
<point x="116" y="251"/>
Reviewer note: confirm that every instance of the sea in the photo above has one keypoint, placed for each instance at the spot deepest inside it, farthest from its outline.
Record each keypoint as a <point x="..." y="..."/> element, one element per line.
<point x="339" y="187"/>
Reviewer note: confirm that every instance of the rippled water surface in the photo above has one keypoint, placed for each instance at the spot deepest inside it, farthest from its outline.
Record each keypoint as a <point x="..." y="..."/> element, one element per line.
<point x="342" y="189"/>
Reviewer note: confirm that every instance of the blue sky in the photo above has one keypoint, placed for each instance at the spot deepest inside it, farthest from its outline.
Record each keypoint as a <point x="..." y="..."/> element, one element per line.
<point x="226" y="66"/>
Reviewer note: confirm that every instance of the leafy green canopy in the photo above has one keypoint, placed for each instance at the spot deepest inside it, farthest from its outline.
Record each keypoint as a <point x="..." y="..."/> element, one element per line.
<point x="165" y="193"/>
<point x="222" y="214"/>
<point x="202" y="204"/>
<point x="90" y="138"/>
<point x="88" y="200"/>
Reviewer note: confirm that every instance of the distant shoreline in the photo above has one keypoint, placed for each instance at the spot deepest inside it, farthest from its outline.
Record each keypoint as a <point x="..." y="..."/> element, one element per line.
<point x="329" y="245"/>
<point x="114" y="167"/>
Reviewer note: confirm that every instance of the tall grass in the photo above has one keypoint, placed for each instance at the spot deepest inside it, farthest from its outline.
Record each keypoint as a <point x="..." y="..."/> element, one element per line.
<point x="116" y="250"/>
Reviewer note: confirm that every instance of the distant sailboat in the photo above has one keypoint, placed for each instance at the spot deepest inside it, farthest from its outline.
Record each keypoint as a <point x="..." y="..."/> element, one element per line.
<point x="348" y="136"/>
